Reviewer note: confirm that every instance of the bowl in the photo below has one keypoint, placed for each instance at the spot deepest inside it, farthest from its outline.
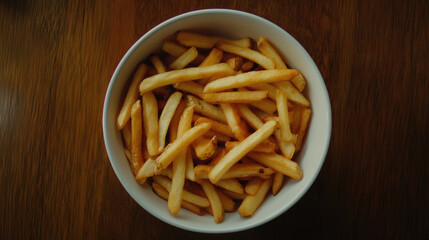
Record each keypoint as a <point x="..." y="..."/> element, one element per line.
<point x="229" y="23"/>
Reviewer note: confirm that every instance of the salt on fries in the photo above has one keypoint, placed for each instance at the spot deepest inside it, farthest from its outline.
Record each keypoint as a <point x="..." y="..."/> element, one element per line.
<point x="210" y="132"/>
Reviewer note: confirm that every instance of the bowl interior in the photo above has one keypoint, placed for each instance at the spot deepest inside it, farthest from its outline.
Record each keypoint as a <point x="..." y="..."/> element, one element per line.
<point x="232" y="24"/>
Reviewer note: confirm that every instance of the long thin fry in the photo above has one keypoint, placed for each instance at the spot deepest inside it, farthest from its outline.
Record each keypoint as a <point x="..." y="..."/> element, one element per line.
<point x="268" y="50"/>
<point x="182" y="75"/>
<point x="234" y="97"/>
<point x="249" y="116"/>
<point x="253" y="186"/>
<point x="206" y="109"/>
<point x="234" y="121"/>
<point x="302" y="128"/>
<point x="131" y="97"/>
<point x="277" y="182"/>
<point x="242" y="170"/>
<point x="247" y="53"/>
<point x="267" y="87"/>
<point x="190" y="87"/>
<point x="174" y="123"/>
<point x="252" y="202"/>
<point x="227" y="203"/>
<point x="190" y="174"/>
<point x="292" y="93"/>
<point x="266" y="146"/>
<point x="175" y="50"/>
<point x="214" y="57"/>
<point x="278" y="163"/>
<point x="230" y="184"/>
<point x="184" y="59"/>
<point x="250" y="78"/>
<point x="287" y="148"/>
<point x="166" y="116"/>
<point x="158" y="64"/>
<point x="241" y="150"/>
<point x="150" y="122"/>
<point x="217" y="126"/>
<point x="136" y="137"/>
<point x="215" y="203"/>
<point x="283" y="116"/>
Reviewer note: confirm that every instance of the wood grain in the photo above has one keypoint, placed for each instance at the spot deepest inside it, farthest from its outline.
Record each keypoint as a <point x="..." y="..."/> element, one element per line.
<point x="56" y="60"/>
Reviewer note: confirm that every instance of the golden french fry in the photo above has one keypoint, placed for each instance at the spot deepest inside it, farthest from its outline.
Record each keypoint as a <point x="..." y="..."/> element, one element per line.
<point x="253" y="186"/>
<point x="246" y="53"/>
<point x="249" y="78"/>
<point x="292" y="93"/>
<point x="179" y="165"/>
<point x="206" y="109"/>
<point x="166" y="116"/>
<point x="184" y="59"/>
<point x="205" y="147"/>
<point x="302" y="127"/>
<point x="265" y="105"/>
<point x="247" y="66"/>
<point x="147" y="170"/>
<point x="187" y="196"/>
<point x="241" y="150"/>
<point x="190" y="87"/>
<point x="251" y="203"/>
<point x="216" y="126"/>
<point x="183" y="75"/>
<point x="190" y="174"/>
<point x="249" y="116"/>
<point x="175" y="50"/>
<point x="235" y="63"/>
<point x="204" y="41"/>
<point x="174" y="148"/>
<point x="260" y="113"/>
<point x="174" y="123"/>
<point x="150" y="122"/>
<point x="131" y="97"/>
<point x="215" y="203"/>
<point x="239" y="170"/>
<point x="265" y="87"/>
<point x="287" y="148"/>
<point x="266" y="146"/>
<point x="283" y="116"/>
<point x="268" y="50"/>
<point x="299" y="82"/>
<point x="234" y="97"/>
<point x="278" y="163"/>
<point x="136" y="137"/>
<point x="233" y="195"/>
<point x="158" y="64"/>
<point x="234" y="121"/>
<point x="219" y="136"/>
<point x="163" y="193"/>
<point x="277" y="182"/>
<point x="230" y="184"/>
<point x="126" y="135"/>
<point x="214" y="57"/>
<point x="227" y="203"/>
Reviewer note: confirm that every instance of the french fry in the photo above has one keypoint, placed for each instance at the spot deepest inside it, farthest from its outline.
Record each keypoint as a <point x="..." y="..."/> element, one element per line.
<point x="246" y="53"/>
<point x="266" y="146"/>
<point x="147" y="170"/>
<point x="158" y="64"/>
<point x="163" y="193"/>
<point x="302" y="128"/>
<point x="190" y="87"/>
<point x="230" y="184"/>
<point x="236" y="171"/>
<point x="234" y="97"/>
<point x="206" y="109"/>
<point x="234" y="121"/>
<point x="174" y="148"/>
<point x="175" y="50"/>
<point x="166" y="116"/>
<point x="287" y="148"/>
<point x="205" y="147"/>
<point x="292" y="93"/>
<point x="174" y="123"/>
<point x="184" y="59"/>
<point x="214" y="57"/>
<point x="131" y="97"/>
<point x="252" y="202"/>
<point x="215" y="202"/>
<point x="235" y="63"/>
<point x="282" y="109"/>
<point x="136" y="137"/>
<point x="190" y="174"/>
<point x="216" y="126"/>
<point x="265" y="87"/>
<point x="299" y="82"/>
<point x="219" y="136"/>
<point x="228" y="204"/>
<point x="233" y="195"/>
<point x="278" y="163"/>
<point x="187" y="196"/>
<point x="268" y="50"/>
<point x="241" y="150"/>
<point x="249" y="116"/>
<point x="249" y="78"/>
<point x="204" y="41"/>
<point x="179" y="165"/>
<point x="260" y="113"/>
<point x="253" y="186"/>
<point x="150" y="122"/>
<point x="126" y="135"/>
<point x="247" y="66"/>
<point x="277" y="182"/>
<point x="183" y="75"/>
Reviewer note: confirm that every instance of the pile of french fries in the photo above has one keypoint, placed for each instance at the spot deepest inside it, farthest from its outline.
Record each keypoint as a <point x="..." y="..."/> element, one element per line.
<point x="213" y="122"/>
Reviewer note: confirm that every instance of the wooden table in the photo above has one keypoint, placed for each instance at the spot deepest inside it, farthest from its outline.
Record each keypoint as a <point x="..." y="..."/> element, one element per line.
<point x="56" y="60"/>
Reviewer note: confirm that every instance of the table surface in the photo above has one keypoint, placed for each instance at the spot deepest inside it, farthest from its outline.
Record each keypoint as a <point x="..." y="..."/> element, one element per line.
<point x="56" y="60"/>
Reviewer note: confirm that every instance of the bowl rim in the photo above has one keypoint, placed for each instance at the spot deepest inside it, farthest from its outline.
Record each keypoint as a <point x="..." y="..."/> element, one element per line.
<point x="125" y="59"/>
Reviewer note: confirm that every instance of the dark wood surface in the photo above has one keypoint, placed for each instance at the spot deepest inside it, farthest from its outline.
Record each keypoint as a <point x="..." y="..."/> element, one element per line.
<point x="56" y="60"/>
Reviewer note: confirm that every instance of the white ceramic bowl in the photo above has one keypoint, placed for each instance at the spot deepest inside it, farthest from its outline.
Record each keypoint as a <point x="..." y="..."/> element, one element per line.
<point x="235" y="24"/>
